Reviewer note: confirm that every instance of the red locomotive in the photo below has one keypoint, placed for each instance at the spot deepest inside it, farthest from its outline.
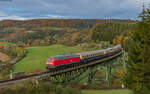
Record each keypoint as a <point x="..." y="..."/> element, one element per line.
<point x="54" y="61"/>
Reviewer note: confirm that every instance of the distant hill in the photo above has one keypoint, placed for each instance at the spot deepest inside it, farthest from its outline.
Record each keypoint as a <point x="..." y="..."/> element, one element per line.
<point x="73" y="23"/>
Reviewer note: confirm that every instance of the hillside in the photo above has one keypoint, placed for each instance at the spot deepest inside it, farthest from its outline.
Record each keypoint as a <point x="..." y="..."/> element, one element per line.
<point x="45" y="32"/>
<point x="4" y="57"/>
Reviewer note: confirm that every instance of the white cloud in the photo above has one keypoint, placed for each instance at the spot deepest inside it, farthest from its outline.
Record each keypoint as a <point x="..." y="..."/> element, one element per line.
<point x="5" y="16"/>
<point x="57" y="16"/>
<point x="13" y="17"/>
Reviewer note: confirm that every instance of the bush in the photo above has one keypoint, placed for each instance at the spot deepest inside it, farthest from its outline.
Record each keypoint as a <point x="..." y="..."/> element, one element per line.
<point x="43" y="88"/>
<point x="14" y="51"/>
<point x="71" y="91"/>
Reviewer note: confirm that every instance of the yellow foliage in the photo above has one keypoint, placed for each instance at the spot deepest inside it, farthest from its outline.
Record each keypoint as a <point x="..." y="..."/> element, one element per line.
<point x="121" y="72"/>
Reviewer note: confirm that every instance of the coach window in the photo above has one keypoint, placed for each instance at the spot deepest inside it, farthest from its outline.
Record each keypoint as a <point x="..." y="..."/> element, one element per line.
<point x="56" y="58"/>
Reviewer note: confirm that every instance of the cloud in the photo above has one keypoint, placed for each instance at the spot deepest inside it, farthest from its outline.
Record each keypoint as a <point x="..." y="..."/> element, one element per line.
<point x="4" y="16"/>
<point x="26" y="9"/>
<point x="14" y="17"/>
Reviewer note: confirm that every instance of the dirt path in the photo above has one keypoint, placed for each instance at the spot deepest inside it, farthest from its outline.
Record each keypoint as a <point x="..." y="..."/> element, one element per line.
<point x="4" y="57"/>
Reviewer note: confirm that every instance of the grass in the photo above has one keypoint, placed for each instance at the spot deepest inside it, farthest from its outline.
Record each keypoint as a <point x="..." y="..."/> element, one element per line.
<point x="37" y="56"/>
<point x="106" y="92"/>
<point x="4" y="43"/>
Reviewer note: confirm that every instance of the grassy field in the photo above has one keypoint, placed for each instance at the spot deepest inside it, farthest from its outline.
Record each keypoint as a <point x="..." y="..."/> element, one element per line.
<point x="5" y="43"/>
<point x="37" y="56"/>
<point x="106" y="92"/>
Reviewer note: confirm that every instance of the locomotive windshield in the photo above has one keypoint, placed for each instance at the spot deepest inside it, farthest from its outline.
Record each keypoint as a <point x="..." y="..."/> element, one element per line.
<point x="50" y="59"/>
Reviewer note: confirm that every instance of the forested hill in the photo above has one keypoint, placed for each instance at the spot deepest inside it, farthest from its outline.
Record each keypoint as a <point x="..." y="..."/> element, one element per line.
<point x="61" y="31"/>
<point x="73" y="23"/>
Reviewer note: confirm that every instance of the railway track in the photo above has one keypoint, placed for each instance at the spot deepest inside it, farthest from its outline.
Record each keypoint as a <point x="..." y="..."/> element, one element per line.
<point x="55" y="72"/>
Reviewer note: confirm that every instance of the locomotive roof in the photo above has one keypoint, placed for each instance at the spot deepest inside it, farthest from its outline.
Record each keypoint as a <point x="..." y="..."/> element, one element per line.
<point x="66" y="55"/>
<point x="96" y="51"/>
<point x="90" y="52"/>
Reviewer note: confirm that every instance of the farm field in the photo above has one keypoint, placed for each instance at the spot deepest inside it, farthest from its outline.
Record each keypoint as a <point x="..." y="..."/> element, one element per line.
<point x="36" y="57"/>
<point x="106" y="92"/>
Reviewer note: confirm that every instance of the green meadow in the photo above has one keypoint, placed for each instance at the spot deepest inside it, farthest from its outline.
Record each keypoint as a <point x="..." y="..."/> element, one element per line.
<point x="36" y="57"/>
<point x="106" y="92"/>
<point x="5" y="43"/>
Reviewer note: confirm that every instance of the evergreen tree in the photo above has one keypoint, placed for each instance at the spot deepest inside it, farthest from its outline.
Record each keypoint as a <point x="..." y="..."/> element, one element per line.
<point x="138" y="74"/>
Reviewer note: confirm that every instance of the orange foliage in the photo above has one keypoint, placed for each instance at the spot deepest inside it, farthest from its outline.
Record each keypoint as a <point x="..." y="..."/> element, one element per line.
<point x="121" y="72"/>
<point x="114" y="41"/>
<point x="118" y="40"/>
<point x="26" y="45"/>
<point x="1" y="46"/>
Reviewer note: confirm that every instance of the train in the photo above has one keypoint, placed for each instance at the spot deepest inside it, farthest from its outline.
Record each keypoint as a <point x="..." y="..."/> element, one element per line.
<point x="69" y="60"/>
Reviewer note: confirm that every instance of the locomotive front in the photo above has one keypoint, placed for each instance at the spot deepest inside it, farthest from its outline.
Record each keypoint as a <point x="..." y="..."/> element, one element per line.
<point x="49" y="62"/>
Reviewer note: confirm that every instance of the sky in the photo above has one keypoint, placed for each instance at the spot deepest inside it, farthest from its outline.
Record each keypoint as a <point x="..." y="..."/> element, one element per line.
<point x="71" y="9"/>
